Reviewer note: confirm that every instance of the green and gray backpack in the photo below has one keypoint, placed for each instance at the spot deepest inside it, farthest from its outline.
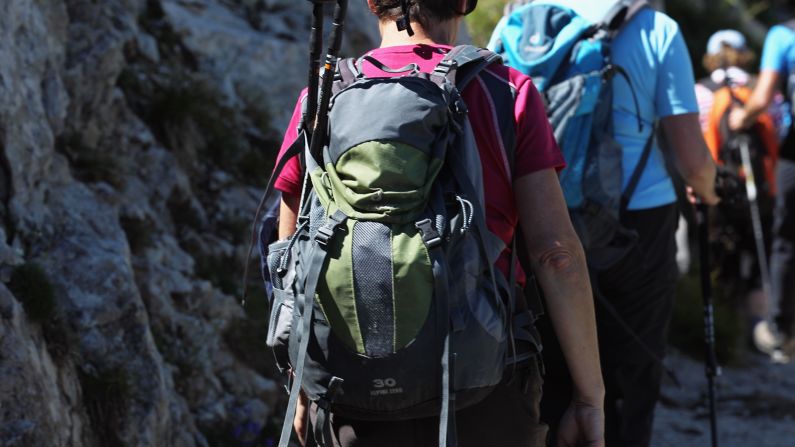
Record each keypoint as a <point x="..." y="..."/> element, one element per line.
<point x="385" y="303"/>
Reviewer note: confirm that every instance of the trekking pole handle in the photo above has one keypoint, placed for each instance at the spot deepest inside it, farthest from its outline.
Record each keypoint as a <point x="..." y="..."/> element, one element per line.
<point x="315" y="47"/>
<point x="329" y="67"/>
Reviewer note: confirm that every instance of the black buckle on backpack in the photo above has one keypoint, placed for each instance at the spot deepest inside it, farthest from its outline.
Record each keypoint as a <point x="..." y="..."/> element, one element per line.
<point x="430" y="237"/>
<point x="445" y="66"/>
<point x="326" y="232"/>
<point x="324" y="235"/>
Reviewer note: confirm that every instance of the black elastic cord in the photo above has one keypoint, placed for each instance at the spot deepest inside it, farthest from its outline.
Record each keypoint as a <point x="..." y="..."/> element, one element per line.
<point x="408" y="69"/>
<point x="404" y="23"/>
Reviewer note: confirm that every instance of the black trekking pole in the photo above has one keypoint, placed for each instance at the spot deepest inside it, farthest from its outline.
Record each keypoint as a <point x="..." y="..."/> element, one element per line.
<point x="329" y="67"/>
<point x="712" y="369"/>
<point x="315" y="49"/>
<point x="317" y="140"/>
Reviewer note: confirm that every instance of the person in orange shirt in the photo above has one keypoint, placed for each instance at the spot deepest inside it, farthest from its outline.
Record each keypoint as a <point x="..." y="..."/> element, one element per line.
<point x="741" y="250"/>
<point x="729" y="83"/>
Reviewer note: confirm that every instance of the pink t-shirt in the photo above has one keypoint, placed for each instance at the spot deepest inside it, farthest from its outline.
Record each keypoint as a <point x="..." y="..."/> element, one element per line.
<point x="536" y="148"/>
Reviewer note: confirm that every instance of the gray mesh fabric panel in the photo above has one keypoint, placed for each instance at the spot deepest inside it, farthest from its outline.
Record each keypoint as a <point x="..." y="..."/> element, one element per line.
<point x="274" y="258"/>
<point x="372" y="285"/>
<point x="317" y="216"/>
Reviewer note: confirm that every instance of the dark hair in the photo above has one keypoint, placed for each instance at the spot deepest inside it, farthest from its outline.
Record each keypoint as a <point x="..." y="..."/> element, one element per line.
<point x="422" y="11"/>
<point x="728" y="57"/>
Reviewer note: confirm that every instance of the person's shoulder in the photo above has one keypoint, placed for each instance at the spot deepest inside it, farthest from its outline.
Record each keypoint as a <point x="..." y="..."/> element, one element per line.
<point x="654" y="19"/>
<point x="784" y="32"/>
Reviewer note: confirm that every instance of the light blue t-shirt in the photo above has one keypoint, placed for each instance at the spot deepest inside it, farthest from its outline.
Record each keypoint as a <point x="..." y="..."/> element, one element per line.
<point x="653" y="52"/>
<point x="779" y="51"/>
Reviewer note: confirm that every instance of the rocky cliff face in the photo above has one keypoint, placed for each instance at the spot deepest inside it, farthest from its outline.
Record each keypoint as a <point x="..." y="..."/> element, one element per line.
<point x="135" y="138"/>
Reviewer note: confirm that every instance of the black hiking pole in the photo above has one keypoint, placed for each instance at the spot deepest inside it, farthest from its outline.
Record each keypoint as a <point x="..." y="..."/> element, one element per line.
<point x="317" y="140"/>
<point x="308" y="122"/>
<point x="329" y="67"/>
<point x="315" y="49"/>
<point x="712" y="369"/>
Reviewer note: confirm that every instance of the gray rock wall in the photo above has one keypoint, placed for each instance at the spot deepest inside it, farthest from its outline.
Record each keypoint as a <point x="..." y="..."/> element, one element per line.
<point x="135" y="138"/>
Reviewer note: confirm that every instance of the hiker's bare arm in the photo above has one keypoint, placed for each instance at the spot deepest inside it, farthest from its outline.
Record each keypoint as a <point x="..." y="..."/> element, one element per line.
<point x="288" y="215"/>
<point x="693" y="160"/>
<point x="758" y="102"/>
<point x="559" y="263"/>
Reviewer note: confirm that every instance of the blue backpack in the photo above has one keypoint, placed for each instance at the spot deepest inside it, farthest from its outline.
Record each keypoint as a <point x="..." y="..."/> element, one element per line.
<point x="569" y="60"/>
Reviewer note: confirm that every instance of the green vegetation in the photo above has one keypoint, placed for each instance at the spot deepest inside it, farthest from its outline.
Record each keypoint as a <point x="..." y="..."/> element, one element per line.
<point x="138" y="232"/>
<point x="190" y="116"/>
<point x="31" y="286"/>
<point x="483" y="19"/>
<point x="105" y="396"/>
<point x="60" y="340"/>
<point x="182" y="213"/>
<point x="89" y="164"/>
<point x="687" y="326"/>
<point x="110" y="386"/>
<point x="223" y="272"/>
<point x="246" y="337"/>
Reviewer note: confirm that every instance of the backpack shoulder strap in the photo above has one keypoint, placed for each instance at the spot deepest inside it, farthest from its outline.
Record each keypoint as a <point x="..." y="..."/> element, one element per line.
<point x="620" y="14"/>
<point x="502" y="97"/>
<point x="347" y="72"/>
<point x="465" y="63"/>
<point x="634" y="178"/>
<point x="470" y="63"/>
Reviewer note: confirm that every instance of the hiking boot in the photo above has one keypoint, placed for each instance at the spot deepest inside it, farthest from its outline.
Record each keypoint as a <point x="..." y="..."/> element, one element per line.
<point x="766" y="337"/>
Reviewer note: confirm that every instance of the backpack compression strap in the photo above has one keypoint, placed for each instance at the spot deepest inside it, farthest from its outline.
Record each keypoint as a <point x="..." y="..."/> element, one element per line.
<point x="305" y="303"/>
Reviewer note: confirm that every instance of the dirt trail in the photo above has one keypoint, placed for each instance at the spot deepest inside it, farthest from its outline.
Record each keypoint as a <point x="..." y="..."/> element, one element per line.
<point x="756" y="405"/>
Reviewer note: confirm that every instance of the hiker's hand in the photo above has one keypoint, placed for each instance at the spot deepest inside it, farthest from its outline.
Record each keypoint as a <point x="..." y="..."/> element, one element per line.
<point x="737" y="118"/>
<point x="710" y="199"/>
<point x="301" y="418"/>
<point x="582" y="424"/>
